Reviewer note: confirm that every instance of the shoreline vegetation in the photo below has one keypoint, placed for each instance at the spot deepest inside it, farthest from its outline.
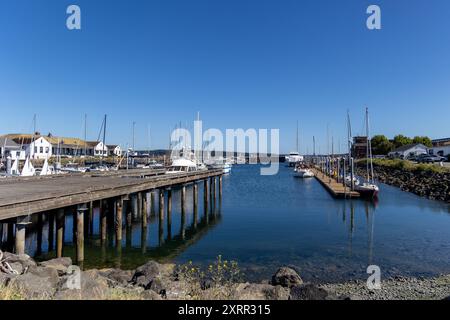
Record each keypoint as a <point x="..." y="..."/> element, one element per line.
<point x="426" y="180"/>
<point x="58" y="279"/>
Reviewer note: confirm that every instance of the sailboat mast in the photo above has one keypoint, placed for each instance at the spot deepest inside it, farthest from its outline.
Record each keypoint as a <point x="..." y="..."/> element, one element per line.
<point x="104" y="135"/>
<point x="367" y="145"/>
<point x="85" y="134"/>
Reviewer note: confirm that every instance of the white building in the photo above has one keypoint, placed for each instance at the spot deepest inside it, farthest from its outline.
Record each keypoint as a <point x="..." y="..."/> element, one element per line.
<point x="114" y="150"/>
<point x="100" y="150"/>
<point x="441" y="147"/>
<point x="408" y="151"/>
<point x="9" y="148"/>
<point x="40" y="148"/>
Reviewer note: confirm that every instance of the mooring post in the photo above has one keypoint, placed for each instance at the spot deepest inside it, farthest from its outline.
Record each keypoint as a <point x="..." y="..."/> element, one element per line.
<point x="21" y="224"/>
<point x="118" y="222"/>
<point x="59" y="232"/>
<point x="81" y="209"/>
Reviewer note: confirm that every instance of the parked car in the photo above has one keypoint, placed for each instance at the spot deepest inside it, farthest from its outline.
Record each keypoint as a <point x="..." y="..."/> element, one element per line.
<point x="430" y="159"/>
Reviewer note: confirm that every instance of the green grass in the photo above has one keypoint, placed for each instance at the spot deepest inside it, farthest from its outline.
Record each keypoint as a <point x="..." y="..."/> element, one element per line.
<point x="406" y="165"/>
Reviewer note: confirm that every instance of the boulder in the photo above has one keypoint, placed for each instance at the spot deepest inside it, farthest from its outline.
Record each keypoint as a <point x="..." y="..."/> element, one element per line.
<point x="37" y="283"/>
<point x="307" y="292"/>
<point x="118" y="276"/>
<point x="92" y="286"/>
<point x="151" y="271"/>
<point x="254" y="291"/>
<point x="19" y="262"/>
<point x="59" y="264"/>
<point x="286" y="277"/>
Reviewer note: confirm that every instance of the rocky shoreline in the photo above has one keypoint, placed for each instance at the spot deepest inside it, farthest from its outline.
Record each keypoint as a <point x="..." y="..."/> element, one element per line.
<point x="424" y="183"/>
<point x="57" y="279"/>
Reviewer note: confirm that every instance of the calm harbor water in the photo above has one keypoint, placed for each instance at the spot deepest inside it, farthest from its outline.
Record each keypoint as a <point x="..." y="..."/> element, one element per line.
<point x="264" y="222"/>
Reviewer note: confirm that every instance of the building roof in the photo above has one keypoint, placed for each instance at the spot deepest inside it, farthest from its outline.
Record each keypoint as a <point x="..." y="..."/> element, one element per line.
<point x="63" y="142"/>
<point x="406" y="147"/>
<point x="112" y="146"/>
<point x="8" y="143"/>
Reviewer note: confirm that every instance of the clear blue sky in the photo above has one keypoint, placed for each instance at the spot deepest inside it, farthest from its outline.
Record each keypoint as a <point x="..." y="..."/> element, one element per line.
<point x="241" y="63"/>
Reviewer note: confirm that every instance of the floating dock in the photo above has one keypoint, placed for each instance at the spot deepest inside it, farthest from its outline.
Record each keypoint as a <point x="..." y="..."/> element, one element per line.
<point x="335" y="188"/>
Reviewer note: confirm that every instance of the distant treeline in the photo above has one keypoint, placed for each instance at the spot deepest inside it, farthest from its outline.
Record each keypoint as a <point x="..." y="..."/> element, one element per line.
<point x="381" y="145"/>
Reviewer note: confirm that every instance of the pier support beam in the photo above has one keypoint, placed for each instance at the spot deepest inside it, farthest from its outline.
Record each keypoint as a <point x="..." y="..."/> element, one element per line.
<point x="21" y="224"/>
<point x="39" y="228"/>
<point x="59" y="232"/>
<point x="118" y="222"/>
<point x="205" y="196"/>
<point x="195" y="195"/>
<point x="169" y="214"/>
<point x="144" y="207"/>
<point x="103" y="220"/>
<point x="220" y="187"/>
<point x="51" y="230"/>
<point x="161" y="204"/>
<point x="183" y="198"/>
<point x="81" y="209"/>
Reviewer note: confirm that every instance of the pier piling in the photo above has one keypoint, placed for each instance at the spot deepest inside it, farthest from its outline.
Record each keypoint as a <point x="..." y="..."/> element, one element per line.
<point x="59" y="232"/>
<point x="118" y="223"/>
<point x="161" y="204"/>
<point x="21" y="224"/>
<point x="80" y="232"/>
<point x="104" y="208"/>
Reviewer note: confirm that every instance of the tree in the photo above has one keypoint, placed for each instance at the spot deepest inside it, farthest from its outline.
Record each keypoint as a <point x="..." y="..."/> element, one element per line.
<point x="381" y="145"/>
<point x="401" y="140"/>
<point x="423" y="140"/>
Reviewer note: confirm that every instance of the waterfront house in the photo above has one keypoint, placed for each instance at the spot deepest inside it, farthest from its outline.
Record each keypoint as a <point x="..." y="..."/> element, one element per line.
<point x="441" y="147"/>
<point x="45" y="146"/>
<point x="100" y="150"/>
<point x="9" y="148"/>
<point x="408" y="151"/>
<point x="359" y="147"/>
<point x="114" y="150"/>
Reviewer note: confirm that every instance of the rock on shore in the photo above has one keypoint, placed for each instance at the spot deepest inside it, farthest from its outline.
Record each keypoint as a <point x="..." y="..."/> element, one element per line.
<point x="428" y="184"/>
<point x="59" y="279"/>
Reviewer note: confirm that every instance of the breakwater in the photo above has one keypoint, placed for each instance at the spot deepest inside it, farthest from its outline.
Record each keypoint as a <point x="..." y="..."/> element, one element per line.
<point x="420" y="180"/>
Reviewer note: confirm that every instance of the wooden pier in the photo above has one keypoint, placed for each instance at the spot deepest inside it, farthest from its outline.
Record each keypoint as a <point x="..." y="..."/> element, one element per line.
<point x="335" y="188"/>
<point x="22" y="198"/>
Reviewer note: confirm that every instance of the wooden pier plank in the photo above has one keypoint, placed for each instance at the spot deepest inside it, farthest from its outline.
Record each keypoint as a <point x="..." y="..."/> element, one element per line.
<point x="335" y="188"/>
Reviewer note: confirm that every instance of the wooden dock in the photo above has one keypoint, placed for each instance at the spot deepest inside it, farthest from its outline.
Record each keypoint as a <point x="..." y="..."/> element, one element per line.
<point x="335" y="188"/>
<point x="25" y="196"/>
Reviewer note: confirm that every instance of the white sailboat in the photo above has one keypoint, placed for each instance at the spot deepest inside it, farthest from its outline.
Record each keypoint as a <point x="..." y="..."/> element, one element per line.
<point x="368" y="188"/>
<point x="28" y="169"/>
<point x="15" y="168"/>
<point x="45" y="169"/>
